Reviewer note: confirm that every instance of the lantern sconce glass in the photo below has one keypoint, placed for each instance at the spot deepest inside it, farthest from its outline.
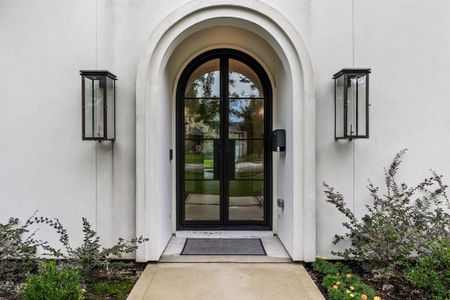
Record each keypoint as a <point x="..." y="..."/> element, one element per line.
<point x="351" y="104"/>
<point x="98" y="105"/>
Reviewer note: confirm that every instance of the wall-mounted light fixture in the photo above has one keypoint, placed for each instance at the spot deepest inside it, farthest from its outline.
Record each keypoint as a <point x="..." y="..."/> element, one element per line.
<point x="98" y="105"/>
<point x="351" y="104"/>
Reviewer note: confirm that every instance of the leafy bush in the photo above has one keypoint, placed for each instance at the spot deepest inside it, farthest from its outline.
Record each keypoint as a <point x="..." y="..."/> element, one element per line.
<point x="340" y="283"/>
<point x="400" y="224"/>
<point x="90" y="256"/>
<point x="432" y="272"/>
<point x="17" y="253"/>
<point x="53" y="283"/>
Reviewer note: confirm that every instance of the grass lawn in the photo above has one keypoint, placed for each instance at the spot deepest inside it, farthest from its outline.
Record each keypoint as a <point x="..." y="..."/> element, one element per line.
<point x="117" y="288"/>
<point x="238" y="187"/>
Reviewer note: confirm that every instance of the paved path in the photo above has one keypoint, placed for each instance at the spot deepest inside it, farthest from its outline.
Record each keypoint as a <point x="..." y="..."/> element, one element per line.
<point x="235" y="281"/>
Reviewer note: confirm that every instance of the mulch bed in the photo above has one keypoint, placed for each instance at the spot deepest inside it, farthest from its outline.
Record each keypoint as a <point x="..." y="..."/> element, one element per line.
<point x="114" y="285"/>
<point x="392" y="290"/>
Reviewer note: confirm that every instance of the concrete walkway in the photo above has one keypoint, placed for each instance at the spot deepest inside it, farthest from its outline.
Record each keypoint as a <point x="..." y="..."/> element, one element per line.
<point x="225" y="281"/>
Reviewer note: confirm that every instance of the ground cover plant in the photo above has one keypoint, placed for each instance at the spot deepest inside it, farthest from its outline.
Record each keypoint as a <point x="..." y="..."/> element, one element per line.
<point x="118" y="288"/>
<point x="398" y="242"/>
<point x="341" y="283"/>
<point x="101" y="275"/>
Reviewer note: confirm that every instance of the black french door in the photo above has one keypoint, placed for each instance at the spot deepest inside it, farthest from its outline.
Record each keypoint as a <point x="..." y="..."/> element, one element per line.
<point x="224" y="158"/>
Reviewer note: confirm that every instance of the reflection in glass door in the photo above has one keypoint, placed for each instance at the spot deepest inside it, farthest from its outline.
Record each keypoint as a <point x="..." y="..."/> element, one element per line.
<point x="246" y="139"/>
<point x="223" y="146"/>
<point x="202" y="116"/>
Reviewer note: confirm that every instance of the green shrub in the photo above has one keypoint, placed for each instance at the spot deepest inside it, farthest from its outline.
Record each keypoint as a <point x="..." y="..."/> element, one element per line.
<point x="53" y="283"/>
<point x="340" y="282"/>
<point x="399" y="225"/>
<point x="432" y="272"/>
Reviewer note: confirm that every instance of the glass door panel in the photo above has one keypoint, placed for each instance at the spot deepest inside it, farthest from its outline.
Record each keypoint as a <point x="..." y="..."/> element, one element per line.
<point x="204" y="81"/>
<point x="202" y="115"/>
<point x="246" y="185"/>
<point x="201" y="118"/>
<point x="202" y="187"/>
<point x="246" y="140"/>
<point x="223" y="148"/>
<point x="246" y="119"/>
<point x="243" y="81"/>
<point x="202" y="202"/>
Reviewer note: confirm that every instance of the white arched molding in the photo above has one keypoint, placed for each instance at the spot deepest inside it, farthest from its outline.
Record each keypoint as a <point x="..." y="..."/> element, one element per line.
<point x="271" y="25"/>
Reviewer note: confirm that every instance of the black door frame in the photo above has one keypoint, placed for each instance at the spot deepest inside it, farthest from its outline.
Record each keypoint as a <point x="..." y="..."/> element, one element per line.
<point x="223" y="55"/>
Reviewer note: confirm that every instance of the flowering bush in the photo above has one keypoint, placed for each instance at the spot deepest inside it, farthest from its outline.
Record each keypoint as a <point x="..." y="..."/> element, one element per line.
<point x="342" y="286"/>
<point x="399" y="225"/>
<point x="341" y="283"/>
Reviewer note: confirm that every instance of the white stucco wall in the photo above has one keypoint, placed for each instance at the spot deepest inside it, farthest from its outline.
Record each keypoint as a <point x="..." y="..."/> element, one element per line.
<point x="45" y="166"/>
<point x="406" y="44"/>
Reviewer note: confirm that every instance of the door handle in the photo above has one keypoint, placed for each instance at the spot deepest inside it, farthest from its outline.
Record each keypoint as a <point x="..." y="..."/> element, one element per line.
<point x="216" y="158"/>
<point x="232" y="158"/>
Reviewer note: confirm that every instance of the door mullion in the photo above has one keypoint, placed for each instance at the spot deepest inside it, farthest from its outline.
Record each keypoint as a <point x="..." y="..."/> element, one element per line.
<point x="223" y="135"/>
<point x="226" y="164"/>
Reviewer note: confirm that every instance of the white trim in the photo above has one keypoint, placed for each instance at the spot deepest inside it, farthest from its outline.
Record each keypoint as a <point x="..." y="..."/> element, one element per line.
<point x="292" y="51"/>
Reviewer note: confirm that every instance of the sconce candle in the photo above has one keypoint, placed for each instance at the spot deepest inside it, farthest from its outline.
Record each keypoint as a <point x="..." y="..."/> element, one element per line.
<point x="98" y="105"/>
<point x="351" y="104"/>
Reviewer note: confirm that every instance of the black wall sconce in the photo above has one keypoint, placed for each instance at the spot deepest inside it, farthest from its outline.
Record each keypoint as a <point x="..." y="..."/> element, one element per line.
<point x="279" y="140"/>
<point x="98" y="105"/>
<point x="351" y="104"/>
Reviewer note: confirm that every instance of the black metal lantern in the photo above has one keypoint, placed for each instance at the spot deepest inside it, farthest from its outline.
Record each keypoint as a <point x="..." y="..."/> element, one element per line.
<point x="351" y="104"/>
<point x="98" y="105"/>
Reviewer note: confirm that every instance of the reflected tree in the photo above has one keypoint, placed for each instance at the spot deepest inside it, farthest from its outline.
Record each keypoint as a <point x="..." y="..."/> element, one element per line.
<point x="202" y="111"/>
<point x="250" y="114"/>
<point x="242" y="86"/>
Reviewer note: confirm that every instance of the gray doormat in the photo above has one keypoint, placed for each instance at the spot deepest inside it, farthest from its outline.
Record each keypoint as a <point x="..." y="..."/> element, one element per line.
<point x="223" y="247"/>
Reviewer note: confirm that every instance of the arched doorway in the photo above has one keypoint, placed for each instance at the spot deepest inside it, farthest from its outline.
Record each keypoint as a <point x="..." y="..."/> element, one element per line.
<point x="224" y="159"/>
<point x="169" y="46"/>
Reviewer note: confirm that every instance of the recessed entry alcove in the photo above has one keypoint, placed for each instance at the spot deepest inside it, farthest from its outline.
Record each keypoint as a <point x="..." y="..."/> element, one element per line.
<point x="223" y="128"/>
<point x="242" y="33"/>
